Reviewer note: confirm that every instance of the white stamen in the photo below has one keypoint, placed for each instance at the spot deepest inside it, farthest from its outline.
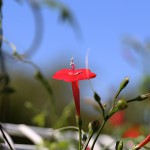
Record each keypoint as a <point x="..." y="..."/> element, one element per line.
<point x="72" y="64"/>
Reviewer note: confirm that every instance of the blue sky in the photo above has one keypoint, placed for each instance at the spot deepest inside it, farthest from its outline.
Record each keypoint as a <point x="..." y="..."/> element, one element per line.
<point x="103" y="25"/>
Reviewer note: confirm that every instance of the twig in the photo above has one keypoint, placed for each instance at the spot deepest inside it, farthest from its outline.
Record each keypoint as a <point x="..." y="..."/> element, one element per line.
<point x="4" y="136"/>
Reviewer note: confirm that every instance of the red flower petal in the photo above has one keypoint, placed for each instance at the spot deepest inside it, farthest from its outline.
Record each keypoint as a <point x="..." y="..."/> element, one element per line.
<point x="70" y="75"/>
<point x="76" y="95"/>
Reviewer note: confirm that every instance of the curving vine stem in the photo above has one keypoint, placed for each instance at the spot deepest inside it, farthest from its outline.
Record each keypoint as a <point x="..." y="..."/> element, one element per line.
<point x="4" y="78"/>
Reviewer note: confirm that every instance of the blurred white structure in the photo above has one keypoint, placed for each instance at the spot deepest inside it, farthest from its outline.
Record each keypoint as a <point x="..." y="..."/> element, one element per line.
<point x="37" y="134"/>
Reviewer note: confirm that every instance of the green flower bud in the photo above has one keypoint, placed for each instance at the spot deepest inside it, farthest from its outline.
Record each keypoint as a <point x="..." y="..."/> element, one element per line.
<point x="144" y="96"/>
<point x="97" y="97"/>
<point x="93" y="126"/>
<point x="124" y="83"/>
<point x="119" y="145"/>
<point x="121" y="104"/>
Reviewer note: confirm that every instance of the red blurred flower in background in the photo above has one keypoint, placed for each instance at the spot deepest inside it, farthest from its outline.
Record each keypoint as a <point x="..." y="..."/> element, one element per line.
<point x="133" y="132"/>
<point x="74" y="75"/>
<point x="118" y="118"/>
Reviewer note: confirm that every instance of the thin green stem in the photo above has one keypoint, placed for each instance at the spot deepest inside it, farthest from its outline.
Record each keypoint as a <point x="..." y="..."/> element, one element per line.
<point x="67" y="128"/>
<point x="40" y="77"/>
<point x="139" y="98"/>
<point x="4" y="78"/>
<point x="103" y="110"/>
<point x="79" y="124"/>
<point x="112" y="111"/>
<point x="116" y="96"/>
<point x="87" y="141"/>
<point x="98" y="133"/>
<point x="80" y="138"/>
<point x="98" y="100"/>
<point x="133" y="100"/>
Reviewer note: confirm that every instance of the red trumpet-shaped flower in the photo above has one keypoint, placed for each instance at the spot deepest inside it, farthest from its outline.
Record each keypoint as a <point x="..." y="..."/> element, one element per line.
<point x="74" y="75"/>
<point x="143" y="143"/>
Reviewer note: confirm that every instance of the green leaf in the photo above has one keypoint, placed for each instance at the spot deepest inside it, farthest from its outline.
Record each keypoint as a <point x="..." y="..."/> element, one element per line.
<point x="39" y="119"/>
<point x="63" y="119"/>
